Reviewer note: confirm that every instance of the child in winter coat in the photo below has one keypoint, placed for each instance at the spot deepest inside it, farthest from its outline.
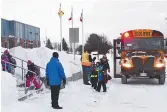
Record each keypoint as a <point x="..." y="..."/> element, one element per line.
<point x="101" y="81"/>
<point x="6" y="57"/>
<point x="4" y="61"/>
<point x="94" y="76"/>
<point x="32" y="77"/>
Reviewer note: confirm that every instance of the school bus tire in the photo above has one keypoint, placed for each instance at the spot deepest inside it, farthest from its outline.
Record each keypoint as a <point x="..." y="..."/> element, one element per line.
<point x="124" y="79"/>
<point x="162" y="79"/>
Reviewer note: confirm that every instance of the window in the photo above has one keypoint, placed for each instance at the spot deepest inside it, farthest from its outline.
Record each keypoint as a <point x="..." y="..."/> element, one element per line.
<point x="144" y="44"/>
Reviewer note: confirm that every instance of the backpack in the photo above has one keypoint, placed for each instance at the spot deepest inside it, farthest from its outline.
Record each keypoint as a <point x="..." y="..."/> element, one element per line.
<point x="37" y="69"/>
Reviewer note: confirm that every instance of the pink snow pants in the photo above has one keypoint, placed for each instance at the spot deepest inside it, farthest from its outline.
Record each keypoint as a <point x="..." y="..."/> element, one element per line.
<point x="34" y="81"/>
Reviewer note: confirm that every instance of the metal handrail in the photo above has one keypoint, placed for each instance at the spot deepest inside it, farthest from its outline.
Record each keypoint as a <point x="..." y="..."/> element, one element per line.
<point x="21" y="68"/>
<point x="23" y="60"/>
<point x="17" y="66"/>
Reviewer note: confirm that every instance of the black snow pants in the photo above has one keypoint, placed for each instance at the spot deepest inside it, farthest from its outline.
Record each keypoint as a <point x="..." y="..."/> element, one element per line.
<point x="101" y="83"/>
<point x="94" y="82"/>
<point x="55" y="95"/>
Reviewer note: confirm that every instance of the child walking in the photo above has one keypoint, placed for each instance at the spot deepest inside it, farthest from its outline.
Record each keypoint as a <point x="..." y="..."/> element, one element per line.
<point x="94" y="75"/>
<point x="31" y="77"/>
<point x="101" y="81"/>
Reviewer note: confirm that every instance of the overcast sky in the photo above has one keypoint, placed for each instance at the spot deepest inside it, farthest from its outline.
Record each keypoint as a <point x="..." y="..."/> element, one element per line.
<point x="108" y="17"/>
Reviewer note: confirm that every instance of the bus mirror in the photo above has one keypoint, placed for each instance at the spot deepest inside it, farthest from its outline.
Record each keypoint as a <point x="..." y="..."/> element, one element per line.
<point x="118" y="41"/>
<point x="165" y="43"/>
<point x="118" y="48"/>
<point x="119" y="51"/>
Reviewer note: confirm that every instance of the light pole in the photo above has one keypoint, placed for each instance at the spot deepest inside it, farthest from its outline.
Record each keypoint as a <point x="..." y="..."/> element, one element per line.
<point x="166" y="27"/>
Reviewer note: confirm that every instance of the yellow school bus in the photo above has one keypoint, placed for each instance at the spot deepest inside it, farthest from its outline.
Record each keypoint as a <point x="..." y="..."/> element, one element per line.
<point x="141" y="55"/>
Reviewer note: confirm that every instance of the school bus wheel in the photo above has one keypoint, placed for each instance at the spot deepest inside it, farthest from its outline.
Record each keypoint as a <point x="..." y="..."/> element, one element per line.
<point x="162" y="79"/>
<point x="124" y="79"/>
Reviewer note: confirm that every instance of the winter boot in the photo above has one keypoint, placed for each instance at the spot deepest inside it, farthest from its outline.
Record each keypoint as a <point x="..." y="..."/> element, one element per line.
<point x="97" y="90"/>
<point x="57" y="107"/>
<point x="95" y="87"/>
<point x="104" y="91"/>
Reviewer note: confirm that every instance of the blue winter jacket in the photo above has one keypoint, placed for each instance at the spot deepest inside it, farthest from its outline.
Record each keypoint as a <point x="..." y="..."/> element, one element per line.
<point x="100" y="74"/>
<point x="54" y="72"/>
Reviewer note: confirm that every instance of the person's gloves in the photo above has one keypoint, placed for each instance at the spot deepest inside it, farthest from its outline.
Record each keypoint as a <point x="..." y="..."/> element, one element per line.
<point x="64" y="81"/>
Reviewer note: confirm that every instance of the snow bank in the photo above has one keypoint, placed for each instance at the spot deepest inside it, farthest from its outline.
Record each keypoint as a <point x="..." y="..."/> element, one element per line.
<point x="9" y="102"/>
<point x="9" y="90"/>
<point x="3" y="49"/>
<point x="41" y="57"/>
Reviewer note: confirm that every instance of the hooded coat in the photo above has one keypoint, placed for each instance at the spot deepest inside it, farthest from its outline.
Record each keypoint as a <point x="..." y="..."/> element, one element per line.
<point x="54" y="72"/>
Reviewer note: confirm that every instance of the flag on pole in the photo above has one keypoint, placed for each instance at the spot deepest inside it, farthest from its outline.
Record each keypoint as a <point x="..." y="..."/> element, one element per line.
<point x="81" y="18"/>
<point x="70" y="17"/>
<point x="60" y="12"/>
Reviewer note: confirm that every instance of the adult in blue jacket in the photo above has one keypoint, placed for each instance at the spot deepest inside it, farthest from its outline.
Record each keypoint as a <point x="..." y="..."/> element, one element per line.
<point x="55" y="74"/>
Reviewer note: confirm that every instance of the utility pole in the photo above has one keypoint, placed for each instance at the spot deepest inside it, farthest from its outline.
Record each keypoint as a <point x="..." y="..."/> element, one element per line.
<point x="166" y="27"/>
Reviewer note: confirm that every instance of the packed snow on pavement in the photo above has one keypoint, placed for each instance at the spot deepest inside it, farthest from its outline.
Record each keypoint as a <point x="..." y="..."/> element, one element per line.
<point x="144" y="95"/>
<point x="139" y="95"/>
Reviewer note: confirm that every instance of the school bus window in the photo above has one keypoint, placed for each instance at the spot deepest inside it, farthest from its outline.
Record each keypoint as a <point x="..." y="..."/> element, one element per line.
<point x="144" y="44"/>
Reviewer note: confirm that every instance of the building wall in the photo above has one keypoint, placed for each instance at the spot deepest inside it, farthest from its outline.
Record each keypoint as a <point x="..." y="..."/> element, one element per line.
<point x="5" y="30"/>
<point x="26" y="32"/>
<point x="27" y="35"/>
<point x="19" y="30"/>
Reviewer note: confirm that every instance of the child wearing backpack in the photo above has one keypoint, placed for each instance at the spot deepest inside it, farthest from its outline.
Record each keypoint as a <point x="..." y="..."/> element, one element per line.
<point x="101" y="81"/>
<point x="32" y="77"/>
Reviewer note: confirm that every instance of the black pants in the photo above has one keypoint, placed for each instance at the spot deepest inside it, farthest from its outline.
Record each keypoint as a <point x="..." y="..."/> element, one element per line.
<point x="55" y="95"/>
<point x="101" y="83"/>
<point x="94" y="82"/>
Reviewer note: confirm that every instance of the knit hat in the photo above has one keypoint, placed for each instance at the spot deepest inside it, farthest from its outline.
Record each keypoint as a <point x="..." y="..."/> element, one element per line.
<point x="6" y="52"/>
<point x="55" y="54"/>
<point x="29" y="62"/>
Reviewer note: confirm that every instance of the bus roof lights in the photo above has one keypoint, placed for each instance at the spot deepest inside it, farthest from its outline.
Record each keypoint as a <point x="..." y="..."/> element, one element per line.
<point x="156" y="34"/>
<point x="126" y="35"/>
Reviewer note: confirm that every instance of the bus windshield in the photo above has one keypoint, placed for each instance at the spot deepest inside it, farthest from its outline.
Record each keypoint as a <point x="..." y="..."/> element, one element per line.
<point x="143" y="44"/>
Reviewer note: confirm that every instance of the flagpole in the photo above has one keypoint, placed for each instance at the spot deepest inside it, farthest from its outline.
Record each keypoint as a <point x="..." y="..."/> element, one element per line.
<point x="46" y="36"/>
<point x="73" y="32"/>
<point x="82" y="34"/>
<point x="61" y="30"/>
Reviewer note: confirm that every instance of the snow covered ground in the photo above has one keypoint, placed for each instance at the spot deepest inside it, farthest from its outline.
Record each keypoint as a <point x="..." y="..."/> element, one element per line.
<point x="9" y="102"/>
<point x="139" y="95"/>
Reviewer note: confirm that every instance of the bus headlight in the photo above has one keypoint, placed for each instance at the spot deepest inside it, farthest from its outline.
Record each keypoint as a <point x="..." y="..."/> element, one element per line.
<point x="159" y="65"/>
<point x="127" y="65"/>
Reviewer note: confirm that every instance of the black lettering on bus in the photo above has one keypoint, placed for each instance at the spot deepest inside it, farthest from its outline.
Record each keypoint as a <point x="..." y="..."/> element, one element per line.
<point x="149" y="34"/>
<point x="140" y="33"/>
